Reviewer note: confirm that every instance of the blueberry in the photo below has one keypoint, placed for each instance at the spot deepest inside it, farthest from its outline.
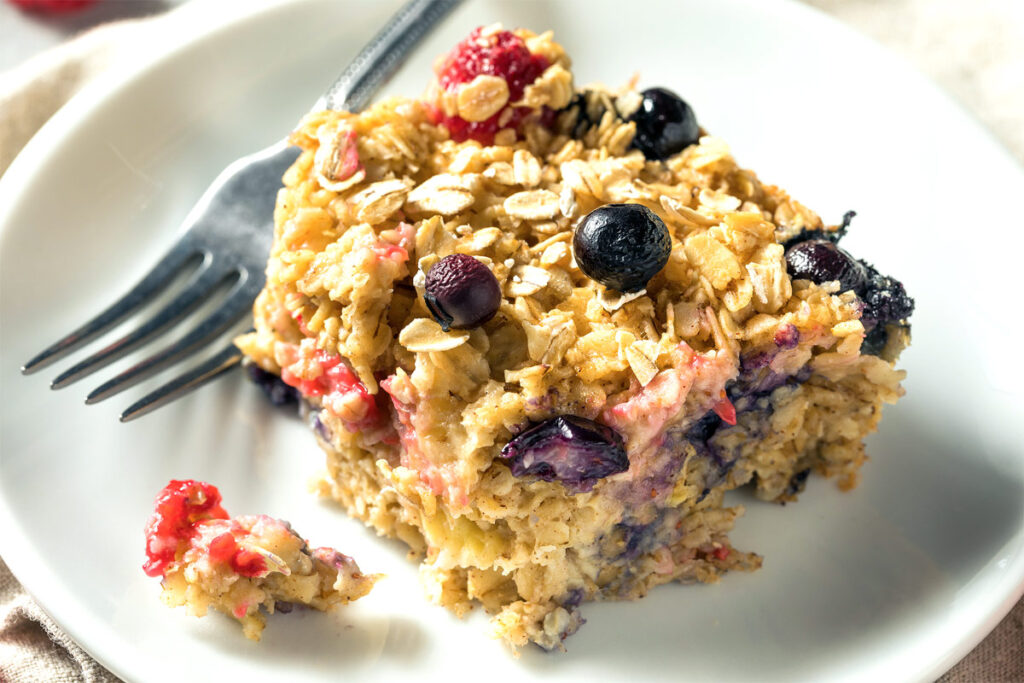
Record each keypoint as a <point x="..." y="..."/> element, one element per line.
<point x="279" y="393"/>
<point x="875" y="340"/>
<point x="822" y="261"/>
<point x="665" y="124"/>
<point x="622" y="246"/>
<point x="572" y="450"/>
<point x="704" y="428"/>
<point x="797" y="483"/>
<point x="885" y="299"/>
<point x="461" y="292"/>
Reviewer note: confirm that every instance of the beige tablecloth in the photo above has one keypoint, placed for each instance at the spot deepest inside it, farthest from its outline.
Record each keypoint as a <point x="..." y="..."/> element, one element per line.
<point x="973" y="48"/>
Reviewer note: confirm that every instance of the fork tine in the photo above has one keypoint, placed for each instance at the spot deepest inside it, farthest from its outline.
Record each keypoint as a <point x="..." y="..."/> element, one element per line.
<point x="238" y="303"/>
<point x="197" y="290"/>
<point x="155" y="281"/>
<point x="213" y="368"/>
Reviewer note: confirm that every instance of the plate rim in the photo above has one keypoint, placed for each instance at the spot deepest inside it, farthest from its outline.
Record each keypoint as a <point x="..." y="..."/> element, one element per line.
<point x="16" y="547"/>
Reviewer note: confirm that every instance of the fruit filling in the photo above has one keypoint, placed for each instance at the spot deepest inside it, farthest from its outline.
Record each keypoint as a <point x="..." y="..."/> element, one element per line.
<point x="461" y="292"/>
<point x="179" y="509"/>
<point x="245" y="567"/>
<point x="482" y="85"/>
<point x="323" y="375"/>
<point x="572" y="450"/>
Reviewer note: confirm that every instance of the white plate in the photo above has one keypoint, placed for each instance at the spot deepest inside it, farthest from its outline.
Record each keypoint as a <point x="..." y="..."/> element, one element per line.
<point x="895" y="580"/>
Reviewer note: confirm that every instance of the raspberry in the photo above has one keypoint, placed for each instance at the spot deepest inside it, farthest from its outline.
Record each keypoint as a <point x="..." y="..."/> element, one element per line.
<point x="339" y="386"/>
<point x="502" y="54"/>
<point x="55" y="6"/>
<point x="224" y="548"/>
<point x="180" y="505"/>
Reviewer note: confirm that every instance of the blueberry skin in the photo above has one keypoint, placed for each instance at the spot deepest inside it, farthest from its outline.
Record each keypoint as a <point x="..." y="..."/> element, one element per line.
<point x="822" y="261"/>
<point x="797" y="483"/>
<point x="461" y="292"/>
<point x="279" y="393"/>
<point x="572" y="450"/>
<point x="885" y="299"/>
<point x="875" y="340"/>
<point x="665" y="124"/>
<point x="622" y="246"/>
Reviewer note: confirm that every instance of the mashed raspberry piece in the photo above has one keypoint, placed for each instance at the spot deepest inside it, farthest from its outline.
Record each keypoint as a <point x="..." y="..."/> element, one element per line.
<point x="240" y="565"/>
<point x="499" y="54"/>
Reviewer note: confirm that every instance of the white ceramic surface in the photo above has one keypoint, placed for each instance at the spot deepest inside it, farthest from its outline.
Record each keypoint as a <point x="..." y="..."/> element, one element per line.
<point x="893" y="581"/>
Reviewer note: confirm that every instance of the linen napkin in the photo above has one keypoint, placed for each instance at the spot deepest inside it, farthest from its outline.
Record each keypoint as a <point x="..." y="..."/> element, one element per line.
<point x="33" y="647"/>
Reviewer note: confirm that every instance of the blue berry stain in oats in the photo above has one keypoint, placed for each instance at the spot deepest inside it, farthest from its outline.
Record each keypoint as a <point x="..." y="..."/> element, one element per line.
<point x="279" y="393"/>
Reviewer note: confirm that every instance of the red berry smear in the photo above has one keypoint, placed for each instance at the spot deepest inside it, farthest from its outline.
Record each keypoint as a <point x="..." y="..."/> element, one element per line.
<point x="224" y="549"/>
<point x="337" y="383"/>
<point x="53" y="6"/>
<point x="188" y="514"/>
<point x="179" y="506"/>
<point x="725" y="409"/>
<point x="502" y="54"/>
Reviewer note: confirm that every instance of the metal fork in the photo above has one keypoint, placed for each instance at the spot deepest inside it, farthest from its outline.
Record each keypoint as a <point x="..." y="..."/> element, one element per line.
<point x="227" y="235"/>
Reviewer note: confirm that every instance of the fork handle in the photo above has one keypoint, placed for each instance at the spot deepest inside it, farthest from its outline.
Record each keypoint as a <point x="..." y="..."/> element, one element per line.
<point x="382" y="56"/>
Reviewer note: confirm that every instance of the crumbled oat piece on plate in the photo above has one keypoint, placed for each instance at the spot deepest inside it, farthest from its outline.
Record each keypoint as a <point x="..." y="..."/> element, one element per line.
<point x="246" y="566"/>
